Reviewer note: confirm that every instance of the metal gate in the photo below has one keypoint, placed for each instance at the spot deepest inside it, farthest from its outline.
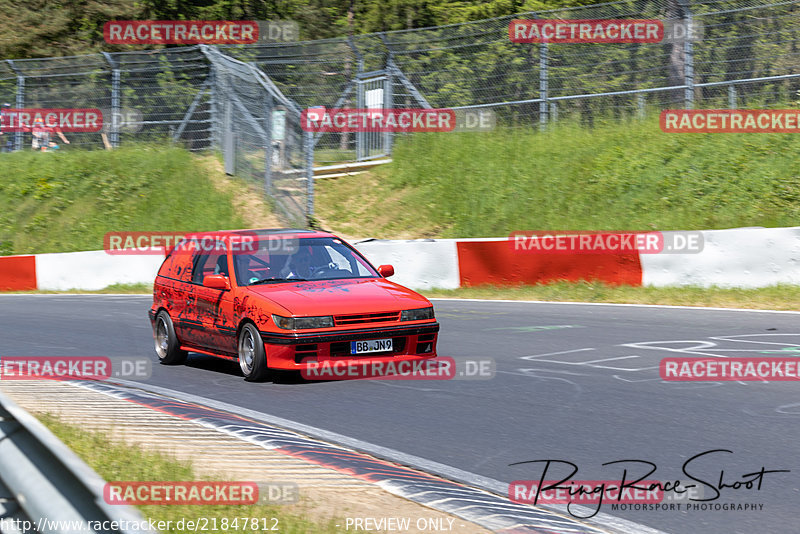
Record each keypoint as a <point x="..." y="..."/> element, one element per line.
<point x="374" y="91"/>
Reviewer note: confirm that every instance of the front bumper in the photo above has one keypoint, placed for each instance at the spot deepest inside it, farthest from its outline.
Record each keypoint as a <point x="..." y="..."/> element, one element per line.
<point x="296" y="350"/>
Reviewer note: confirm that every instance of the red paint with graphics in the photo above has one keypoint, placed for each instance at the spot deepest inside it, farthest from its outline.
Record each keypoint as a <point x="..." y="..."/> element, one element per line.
<point x="284" y="299"/>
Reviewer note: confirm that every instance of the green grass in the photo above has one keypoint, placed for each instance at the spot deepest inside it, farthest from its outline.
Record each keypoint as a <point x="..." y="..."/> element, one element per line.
<point x="66" y="201"/>
<point x="779" y="297"/>
<point x="119" y="462"/>
<point x="332" y="156"/>
<point x="129" y="289"/>
<point x="618" y="176"/>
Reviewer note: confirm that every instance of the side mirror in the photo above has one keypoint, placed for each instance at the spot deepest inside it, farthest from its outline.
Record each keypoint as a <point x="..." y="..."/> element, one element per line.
<point x="217" y="281"/>
<point x="386" y="271"/>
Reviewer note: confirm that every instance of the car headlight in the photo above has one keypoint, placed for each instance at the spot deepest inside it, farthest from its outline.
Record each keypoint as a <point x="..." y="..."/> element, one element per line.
<point x="416" y="315"/>
<point x="300" y="323"/>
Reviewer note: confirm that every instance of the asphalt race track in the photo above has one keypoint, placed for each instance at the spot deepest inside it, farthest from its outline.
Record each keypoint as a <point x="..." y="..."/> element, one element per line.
<point x="577" y="383"/>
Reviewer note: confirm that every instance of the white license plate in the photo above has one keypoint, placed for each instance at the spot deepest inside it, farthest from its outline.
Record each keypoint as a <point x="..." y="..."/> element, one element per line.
<point x="371" y="345"/>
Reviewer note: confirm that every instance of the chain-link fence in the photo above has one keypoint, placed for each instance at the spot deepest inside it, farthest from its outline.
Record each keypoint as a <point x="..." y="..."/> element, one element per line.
<point x="246" y="100"/>
<point x="746" y="54"/>
<point x="143" y="95"/>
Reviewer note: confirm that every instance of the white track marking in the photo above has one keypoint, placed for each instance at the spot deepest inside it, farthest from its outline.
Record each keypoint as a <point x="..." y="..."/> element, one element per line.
<point x="664" y="306"/>
<point x="535" y="357"/>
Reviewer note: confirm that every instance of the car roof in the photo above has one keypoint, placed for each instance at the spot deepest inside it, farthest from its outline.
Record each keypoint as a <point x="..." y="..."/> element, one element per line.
<point x="264" y="232"/>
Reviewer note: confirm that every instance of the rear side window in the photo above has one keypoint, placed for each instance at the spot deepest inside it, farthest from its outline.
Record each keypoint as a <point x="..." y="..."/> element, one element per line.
<point x="178" y="266"/>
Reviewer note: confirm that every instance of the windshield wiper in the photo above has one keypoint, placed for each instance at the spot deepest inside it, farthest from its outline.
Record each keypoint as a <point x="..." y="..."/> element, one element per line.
<point x="270" y="280"/>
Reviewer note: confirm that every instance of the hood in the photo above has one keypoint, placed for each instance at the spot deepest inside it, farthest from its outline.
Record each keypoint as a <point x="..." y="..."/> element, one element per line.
<point x="340" y="297"/>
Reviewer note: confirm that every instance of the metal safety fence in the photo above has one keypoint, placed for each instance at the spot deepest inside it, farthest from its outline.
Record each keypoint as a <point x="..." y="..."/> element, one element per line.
<point x="259" y="133"/>
<point x="246" y="100"/>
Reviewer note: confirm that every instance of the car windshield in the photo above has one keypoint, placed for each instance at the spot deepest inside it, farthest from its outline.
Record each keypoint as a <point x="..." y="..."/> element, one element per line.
<point x="287" y="259"/>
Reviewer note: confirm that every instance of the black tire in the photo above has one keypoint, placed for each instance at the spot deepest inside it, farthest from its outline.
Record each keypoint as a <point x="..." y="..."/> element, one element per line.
<point x="252" y="357"/>
<point x="167" y="347"/>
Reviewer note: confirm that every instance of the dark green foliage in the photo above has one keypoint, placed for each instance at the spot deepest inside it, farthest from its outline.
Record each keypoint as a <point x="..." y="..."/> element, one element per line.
<point x="43" y="28"/>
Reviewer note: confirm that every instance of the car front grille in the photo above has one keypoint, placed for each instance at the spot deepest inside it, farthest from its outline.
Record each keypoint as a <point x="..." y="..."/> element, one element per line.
<point x="305" y="352"/>
<point x="366" y="318"/>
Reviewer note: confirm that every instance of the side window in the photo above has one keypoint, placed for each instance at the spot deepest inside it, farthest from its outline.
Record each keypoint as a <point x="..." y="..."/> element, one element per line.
<point x="257" y="266"/>
<point x="212" y="263"/>
<point x="362" y="269"/>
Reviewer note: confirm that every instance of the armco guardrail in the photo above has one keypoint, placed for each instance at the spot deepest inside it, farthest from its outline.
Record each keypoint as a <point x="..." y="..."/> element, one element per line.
<point x="736" y="257"/>
<point x="49" y="486"/>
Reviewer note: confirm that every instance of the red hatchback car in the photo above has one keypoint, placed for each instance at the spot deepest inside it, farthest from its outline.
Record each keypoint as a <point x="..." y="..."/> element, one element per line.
<point x="284" y="299"/>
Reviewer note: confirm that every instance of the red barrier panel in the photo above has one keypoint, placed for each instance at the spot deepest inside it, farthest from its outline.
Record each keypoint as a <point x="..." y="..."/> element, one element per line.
<point x="17" y="273"/>
<point x="495" y="262"/>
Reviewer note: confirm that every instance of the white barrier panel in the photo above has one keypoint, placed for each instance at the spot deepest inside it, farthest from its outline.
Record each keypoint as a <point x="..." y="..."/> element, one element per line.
<point x="740" y="257"/>
<point x="419" y="264"/>
<point x="94" y="270"/>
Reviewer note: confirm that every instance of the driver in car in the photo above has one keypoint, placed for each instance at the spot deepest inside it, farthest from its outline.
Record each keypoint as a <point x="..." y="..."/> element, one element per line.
<point x="300" y="264"/>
